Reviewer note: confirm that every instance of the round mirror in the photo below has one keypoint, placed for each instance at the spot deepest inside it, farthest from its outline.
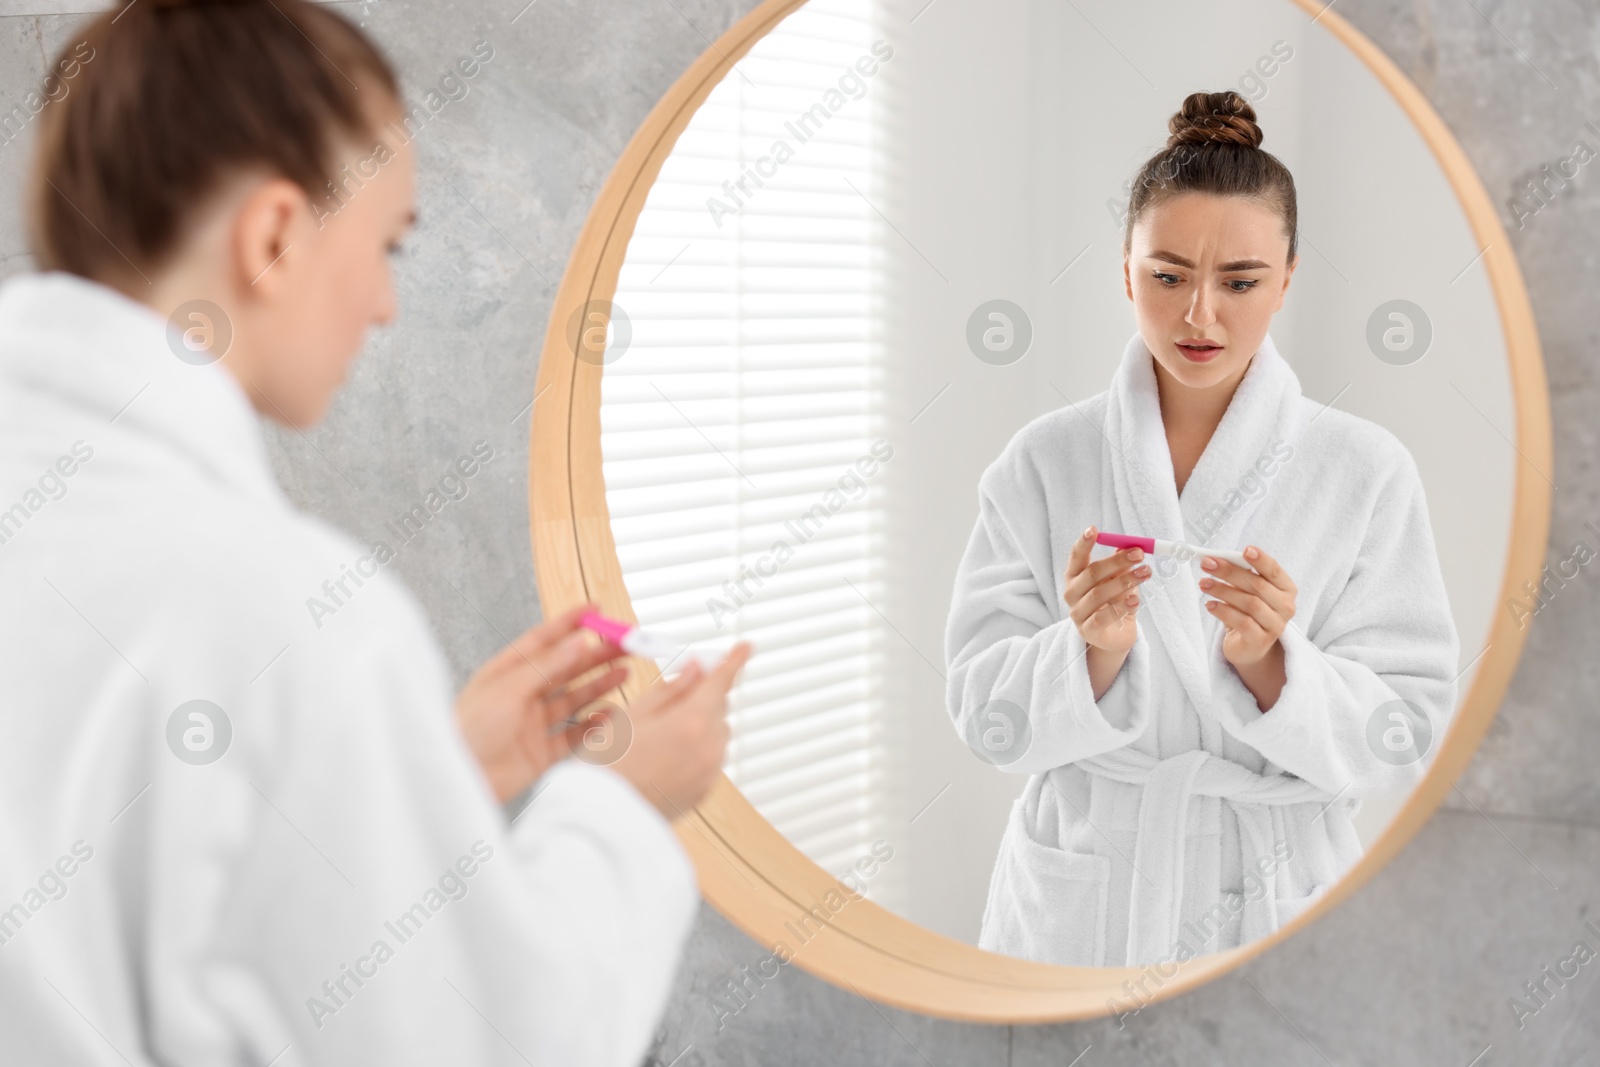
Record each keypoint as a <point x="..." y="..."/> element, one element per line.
<point x="848" y="358"/>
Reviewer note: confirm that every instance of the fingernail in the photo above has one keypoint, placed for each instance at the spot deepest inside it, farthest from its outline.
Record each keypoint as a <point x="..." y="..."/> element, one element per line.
<point x="1088" y="533"/>
<point x="1209" y="564"/>
<point x="1251" y="552"/>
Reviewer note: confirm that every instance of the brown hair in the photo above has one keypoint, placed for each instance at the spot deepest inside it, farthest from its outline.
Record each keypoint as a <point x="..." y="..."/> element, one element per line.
<point x="165" y="99"/>
<point x="1215" y="148"/>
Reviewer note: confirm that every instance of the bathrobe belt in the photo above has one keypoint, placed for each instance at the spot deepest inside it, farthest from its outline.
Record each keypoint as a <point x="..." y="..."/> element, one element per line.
<point x="1158" y="859"/>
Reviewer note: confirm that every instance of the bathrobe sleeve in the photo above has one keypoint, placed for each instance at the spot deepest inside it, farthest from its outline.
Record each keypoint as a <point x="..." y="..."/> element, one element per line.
<point x="348" y="889"/>
<point x="1018" y="676"/>
<point x="1387" y="636"/>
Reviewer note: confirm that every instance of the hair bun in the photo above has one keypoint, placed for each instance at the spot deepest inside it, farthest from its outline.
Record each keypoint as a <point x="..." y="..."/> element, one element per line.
<point x="1215" y="118"/>
<point x="166" y="4"/>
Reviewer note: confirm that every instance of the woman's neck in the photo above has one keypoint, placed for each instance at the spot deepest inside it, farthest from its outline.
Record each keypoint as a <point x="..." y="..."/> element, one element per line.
<point x="1190" y="416"/>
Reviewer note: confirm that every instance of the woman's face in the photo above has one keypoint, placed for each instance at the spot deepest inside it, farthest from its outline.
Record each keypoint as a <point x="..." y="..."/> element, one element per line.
<point x="339" y="286"/>
<point x="1206" y="270"/>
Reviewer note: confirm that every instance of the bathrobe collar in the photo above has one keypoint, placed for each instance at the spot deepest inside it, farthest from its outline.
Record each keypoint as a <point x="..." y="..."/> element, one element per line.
<point x="1216" y="507"/>
<point x="110" y="356"/>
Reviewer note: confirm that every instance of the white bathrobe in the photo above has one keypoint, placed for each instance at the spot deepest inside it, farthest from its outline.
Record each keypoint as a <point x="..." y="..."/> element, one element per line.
<point x="1152" y="815"/>
<point x="154" y="910"/>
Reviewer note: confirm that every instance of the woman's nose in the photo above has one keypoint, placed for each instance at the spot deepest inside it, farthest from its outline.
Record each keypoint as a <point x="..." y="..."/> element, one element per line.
<point x="1200" y="314"/>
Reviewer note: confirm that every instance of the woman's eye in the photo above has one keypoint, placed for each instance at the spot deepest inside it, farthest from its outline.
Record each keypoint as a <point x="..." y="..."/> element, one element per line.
<point x="1162" y="278"/>
<point x="1246" y="282"/>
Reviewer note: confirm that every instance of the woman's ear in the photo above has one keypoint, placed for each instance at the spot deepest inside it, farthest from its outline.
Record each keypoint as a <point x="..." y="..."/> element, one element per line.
<point x="1286" y="279"/>
<point x="271" y="218"/>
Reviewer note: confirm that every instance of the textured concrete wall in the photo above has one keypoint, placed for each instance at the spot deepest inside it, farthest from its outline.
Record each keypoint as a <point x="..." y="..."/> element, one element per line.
<point x="1420" y="966"/>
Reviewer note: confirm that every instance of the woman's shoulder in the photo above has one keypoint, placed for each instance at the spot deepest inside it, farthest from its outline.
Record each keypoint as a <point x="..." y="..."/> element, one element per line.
<point x="1067" y="436"/>
<point x="1347" y="446"/>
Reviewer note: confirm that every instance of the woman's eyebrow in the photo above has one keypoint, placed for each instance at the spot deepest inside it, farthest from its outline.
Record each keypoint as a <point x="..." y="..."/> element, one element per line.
<point x="1238" y="264"/>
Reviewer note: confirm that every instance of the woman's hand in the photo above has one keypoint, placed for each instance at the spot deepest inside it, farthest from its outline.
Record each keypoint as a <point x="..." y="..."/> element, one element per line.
<point x="1102" y="597"/>
<point x="1253" y="607"/>
<point x="678" y="734"/>
<point x="510" y="706"/>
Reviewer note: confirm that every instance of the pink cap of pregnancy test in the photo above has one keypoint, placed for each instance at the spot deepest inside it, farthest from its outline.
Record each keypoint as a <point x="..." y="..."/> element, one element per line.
<point x="1116" y="540"/>
<point x="610" y="629"/>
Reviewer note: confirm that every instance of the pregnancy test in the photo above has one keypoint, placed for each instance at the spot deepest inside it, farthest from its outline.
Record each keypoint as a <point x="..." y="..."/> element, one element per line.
<point x="1176" y="549"/>
<point x="636" y="642"/>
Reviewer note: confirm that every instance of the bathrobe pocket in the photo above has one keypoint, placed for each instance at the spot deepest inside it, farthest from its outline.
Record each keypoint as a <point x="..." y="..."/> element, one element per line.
<point x="1046" y="903"/>
<point x="1287" y="908"/>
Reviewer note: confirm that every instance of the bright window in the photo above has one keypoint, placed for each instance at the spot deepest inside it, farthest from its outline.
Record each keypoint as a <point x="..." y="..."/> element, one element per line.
<point x="734" y="421"/>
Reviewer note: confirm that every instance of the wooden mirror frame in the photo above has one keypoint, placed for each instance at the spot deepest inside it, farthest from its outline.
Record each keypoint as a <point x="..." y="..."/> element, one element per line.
<point x="750" y="872"/>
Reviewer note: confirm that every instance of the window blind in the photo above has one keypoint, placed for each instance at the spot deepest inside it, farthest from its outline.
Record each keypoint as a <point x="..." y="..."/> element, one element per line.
<point x="750" y="389"/>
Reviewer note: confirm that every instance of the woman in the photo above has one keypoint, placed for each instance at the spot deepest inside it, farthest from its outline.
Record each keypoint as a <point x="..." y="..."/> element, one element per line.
<point x="1192" y="782"/>
<point x="235" y="830"/>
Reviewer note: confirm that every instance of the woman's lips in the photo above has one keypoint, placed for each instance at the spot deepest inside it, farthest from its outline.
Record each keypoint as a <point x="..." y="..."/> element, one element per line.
<point x="1199" y="355"/>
